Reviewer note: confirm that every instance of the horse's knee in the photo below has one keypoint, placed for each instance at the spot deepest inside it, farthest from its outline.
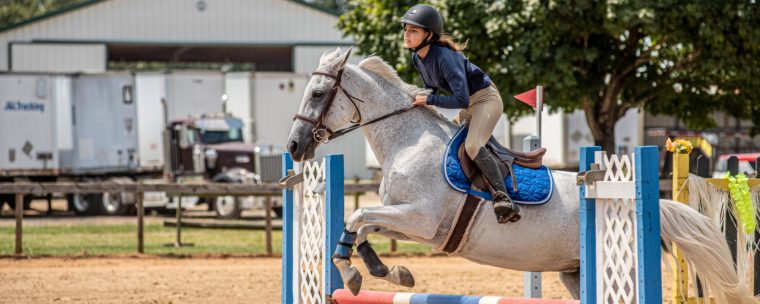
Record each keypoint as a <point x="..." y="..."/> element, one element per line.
<point x="354" y="221"/>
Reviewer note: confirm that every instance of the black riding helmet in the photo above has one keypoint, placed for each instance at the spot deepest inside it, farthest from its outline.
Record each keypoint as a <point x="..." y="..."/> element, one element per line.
<point x="427" y="17"/>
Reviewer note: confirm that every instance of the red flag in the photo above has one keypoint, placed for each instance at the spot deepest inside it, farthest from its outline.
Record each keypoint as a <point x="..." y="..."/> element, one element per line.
<point x="528" y="97"/>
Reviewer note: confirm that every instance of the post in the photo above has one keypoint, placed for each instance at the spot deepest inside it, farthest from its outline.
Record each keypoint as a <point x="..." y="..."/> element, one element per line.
<point x="268" y="223"/>
<point x="532" y="280"/>
<point x="756" y="259"/>
<point x="19" y="220"/>
<point x="649" y="274"/>
<point x="140" y="216"/>
<point x="539" y="108"/>
<point x="49" y="198"/>
<point x="178" y="241"/>
<point x="334" y="218"/>
<point x="587" y="213"/>
<point x="731" y="234"/>
<point x="703" y="170"/>
<point x="681" y="272"/>
<point x="287" y="235"/>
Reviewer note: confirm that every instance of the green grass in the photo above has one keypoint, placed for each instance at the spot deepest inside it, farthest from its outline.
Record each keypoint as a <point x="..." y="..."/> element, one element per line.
<point x="69" y="240"/>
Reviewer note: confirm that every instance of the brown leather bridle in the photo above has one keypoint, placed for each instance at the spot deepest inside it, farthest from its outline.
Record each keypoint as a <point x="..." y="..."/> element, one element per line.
<point x="321" y="132"/>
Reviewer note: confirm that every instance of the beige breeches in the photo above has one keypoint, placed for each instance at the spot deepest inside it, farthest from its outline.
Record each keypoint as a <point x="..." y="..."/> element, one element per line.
<point x="483" y="113"/>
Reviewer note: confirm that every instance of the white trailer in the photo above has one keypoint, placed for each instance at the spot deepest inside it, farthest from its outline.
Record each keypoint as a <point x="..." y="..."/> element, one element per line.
<point x="104" y="125"/>
<point x="564" y="133"/>
<point x="34" y="123"/>
<point x="193" y="93"/>
<point x="113" y="126"/>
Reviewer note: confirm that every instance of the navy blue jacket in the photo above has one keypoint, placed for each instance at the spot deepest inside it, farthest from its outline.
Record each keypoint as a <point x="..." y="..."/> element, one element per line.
<point x="444" y="68"/>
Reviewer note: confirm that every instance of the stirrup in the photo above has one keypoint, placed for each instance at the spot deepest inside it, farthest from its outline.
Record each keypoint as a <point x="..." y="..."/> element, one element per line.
<point x="508" y="213"/>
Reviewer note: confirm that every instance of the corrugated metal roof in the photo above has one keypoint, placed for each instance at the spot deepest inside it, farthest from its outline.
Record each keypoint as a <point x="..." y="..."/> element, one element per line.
<point x="84" y="4"/>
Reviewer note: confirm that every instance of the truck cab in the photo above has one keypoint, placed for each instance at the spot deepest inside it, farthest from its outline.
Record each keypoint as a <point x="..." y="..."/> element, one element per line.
<point x="208" y="146"/>
<point x="211" y="148"/>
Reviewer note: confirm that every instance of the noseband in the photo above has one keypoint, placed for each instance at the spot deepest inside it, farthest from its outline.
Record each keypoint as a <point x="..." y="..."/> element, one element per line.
<point x="322" y="133"/>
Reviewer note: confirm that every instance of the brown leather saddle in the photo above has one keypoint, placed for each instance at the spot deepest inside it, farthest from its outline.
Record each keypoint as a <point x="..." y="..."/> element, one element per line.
<point x="504" y="157"/>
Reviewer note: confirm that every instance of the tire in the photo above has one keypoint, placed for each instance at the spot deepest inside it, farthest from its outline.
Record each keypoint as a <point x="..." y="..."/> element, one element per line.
<point x="6" y="199"/>
<point x="12" y="202"/>
<point x="277" y="211"/>
<point x="85" y="203"/>
<point x="227" y="207"/>
<point x="113" y="204"/>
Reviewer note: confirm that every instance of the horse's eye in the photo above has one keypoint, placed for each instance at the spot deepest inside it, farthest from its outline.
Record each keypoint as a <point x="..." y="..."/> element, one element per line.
<point x="316" y="93"/>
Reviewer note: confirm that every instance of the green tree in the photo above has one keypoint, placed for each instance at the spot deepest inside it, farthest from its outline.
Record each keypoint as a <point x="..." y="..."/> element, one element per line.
<point x="14" y="11"/>
<point x="682" y="58"/>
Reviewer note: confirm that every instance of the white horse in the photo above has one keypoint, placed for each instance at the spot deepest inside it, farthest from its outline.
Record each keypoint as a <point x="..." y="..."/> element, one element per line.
<point x="419" y="205"/>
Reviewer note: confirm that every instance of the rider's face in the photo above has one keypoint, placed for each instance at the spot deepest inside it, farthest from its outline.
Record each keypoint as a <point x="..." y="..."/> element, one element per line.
<point x="413" y="36"/>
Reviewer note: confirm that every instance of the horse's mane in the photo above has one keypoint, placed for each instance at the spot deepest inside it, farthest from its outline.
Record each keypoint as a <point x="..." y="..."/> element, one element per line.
<point x="379" y="67"/>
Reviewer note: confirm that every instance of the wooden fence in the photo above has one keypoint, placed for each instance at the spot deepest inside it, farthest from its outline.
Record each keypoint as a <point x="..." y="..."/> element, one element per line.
<point x="171" y="189"/>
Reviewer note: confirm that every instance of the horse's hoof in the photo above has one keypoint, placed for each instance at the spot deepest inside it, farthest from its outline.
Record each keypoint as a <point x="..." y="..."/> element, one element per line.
<point x="405" y="277"/>
<point x="353" y="280"/>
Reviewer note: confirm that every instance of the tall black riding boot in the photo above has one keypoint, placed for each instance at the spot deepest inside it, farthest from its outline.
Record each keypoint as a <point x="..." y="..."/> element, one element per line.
<point x="505" y="209"/>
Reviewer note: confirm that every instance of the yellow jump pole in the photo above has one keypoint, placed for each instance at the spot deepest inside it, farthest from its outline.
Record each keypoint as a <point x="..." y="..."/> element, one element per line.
<point x="680" y="194"/>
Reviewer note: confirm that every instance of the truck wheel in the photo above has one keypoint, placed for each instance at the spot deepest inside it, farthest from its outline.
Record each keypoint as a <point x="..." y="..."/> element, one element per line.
<point x="12" y="202"/>
<point x="113" y="203"/>
<point x="227" y="207"/>
<point x="85" y="203"/>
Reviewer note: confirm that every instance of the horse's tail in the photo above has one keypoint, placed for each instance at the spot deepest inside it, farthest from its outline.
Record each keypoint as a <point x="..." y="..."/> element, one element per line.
<point x="705" y="250"/>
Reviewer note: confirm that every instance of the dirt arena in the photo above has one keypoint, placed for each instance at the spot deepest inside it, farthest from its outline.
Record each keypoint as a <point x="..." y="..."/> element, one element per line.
<point x="225" y="280"/>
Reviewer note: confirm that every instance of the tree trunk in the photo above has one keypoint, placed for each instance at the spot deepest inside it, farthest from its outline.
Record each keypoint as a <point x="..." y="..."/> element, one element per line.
<point x="601" y="120"/>
<point x="607" y="141"/>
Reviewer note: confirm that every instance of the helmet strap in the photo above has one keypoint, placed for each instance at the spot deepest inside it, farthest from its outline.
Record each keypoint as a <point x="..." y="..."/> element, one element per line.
<point x="426" y="42"/>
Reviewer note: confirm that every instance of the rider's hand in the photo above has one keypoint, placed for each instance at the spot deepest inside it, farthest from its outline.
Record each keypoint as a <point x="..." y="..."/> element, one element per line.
<point x="420" y="100"/>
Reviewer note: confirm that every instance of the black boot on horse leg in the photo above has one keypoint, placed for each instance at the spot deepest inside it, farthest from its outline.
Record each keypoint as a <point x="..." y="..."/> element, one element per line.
<point x="505" y="209"/>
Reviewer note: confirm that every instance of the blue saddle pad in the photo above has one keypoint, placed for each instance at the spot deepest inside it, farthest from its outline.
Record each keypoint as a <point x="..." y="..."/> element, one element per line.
<point x="535" y="186"/>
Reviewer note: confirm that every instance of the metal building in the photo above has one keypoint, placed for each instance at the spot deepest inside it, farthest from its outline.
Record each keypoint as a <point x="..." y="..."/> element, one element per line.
<point x="281" y="39"/>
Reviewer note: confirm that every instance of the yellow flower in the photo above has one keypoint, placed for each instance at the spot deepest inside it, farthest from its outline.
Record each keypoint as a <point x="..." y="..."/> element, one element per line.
<point x="679" y="146"/>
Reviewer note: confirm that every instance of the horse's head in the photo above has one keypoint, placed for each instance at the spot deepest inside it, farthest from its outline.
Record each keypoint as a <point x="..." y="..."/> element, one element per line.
<point x="324" y="107"/>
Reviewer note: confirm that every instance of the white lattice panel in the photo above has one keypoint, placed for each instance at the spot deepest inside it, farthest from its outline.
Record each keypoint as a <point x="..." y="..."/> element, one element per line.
<point x="311" y="234"/>
<point x="616" y="234"/>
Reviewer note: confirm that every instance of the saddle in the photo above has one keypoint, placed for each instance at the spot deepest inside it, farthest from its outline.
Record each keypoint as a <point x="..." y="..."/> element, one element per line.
<point x="504" y="157"/>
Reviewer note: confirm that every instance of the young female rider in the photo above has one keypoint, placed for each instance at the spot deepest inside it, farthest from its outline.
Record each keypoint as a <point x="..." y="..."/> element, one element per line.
<point x="442" y="66"/>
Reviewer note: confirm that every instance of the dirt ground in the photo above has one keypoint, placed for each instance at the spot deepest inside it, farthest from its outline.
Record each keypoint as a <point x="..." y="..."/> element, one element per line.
<point x="227" y="280"/>
<point x="220" y="280"/>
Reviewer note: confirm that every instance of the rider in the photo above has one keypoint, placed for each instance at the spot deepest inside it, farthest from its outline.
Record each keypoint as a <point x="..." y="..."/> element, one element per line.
<point x="441" y="65"/>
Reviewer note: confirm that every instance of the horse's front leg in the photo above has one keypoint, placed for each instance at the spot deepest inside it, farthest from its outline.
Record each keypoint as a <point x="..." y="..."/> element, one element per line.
<point x="394" y="220"/>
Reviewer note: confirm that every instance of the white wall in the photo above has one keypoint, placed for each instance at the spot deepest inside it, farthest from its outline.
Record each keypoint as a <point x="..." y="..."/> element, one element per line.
<point x="564" y="133"/>
<point x="149" y="92"/>
<point x="239" y="94"/>
<point x="306" y="58"/>
<point x="62" y="58"/>
<point x="180" y="21"/>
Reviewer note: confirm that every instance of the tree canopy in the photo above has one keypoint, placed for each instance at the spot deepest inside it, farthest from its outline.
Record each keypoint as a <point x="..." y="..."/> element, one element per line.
<point x="14" y="11"/>
<point x="682" y="58"/>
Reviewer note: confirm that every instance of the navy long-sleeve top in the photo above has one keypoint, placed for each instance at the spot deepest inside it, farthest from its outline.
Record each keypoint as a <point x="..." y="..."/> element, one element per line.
<point x="444" y="68"/>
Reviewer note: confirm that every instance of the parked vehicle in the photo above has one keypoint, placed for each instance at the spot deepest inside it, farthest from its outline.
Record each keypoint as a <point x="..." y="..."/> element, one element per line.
<point x="747" y="164"/>
<point x="123" y="128"/>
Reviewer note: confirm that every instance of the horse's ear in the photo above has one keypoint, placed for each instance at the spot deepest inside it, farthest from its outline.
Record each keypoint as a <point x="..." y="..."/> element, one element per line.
<point x="343" y="58"/>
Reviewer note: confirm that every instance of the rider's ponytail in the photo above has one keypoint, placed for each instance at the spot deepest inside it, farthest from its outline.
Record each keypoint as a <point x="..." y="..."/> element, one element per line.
<point x="449" y="42"/>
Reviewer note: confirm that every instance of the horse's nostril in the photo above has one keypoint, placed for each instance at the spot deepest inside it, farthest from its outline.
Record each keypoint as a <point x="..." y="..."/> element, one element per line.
<point x="292" y="147"/>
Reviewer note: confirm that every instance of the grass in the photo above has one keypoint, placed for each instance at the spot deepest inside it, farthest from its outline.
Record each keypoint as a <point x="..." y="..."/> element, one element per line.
<point x="96" y="240"/>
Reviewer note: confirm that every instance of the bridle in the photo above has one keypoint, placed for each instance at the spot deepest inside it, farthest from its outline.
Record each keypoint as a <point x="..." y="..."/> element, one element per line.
<point x="321" y="132"/>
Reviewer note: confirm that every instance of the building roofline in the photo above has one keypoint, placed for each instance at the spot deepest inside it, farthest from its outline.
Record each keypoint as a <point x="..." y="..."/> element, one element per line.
<point x="289" y="43"/>
<point x="50" y="14"/>
<point x="317" y="7"/>
<point x="84" y="4"/>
